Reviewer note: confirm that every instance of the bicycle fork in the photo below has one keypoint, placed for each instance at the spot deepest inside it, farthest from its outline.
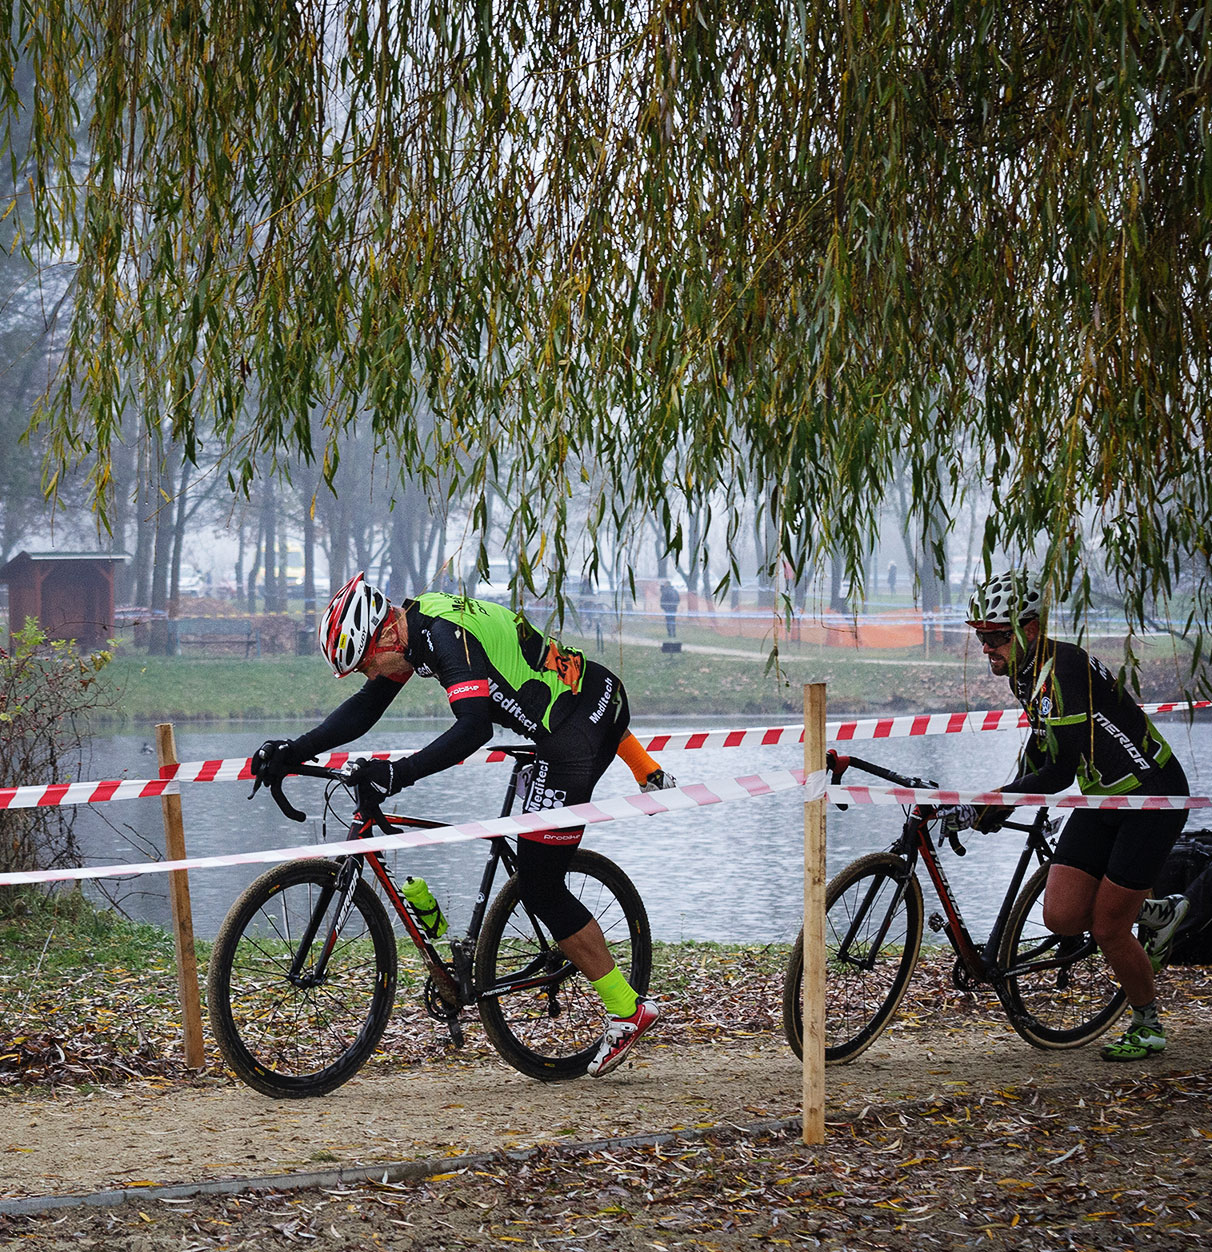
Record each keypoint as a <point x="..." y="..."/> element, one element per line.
<point x="874" y="945"/>
<point x="346" y="885"/>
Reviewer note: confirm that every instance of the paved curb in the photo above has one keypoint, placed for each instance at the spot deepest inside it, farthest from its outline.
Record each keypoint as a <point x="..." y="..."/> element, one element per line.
<point x="393" y="1172"/>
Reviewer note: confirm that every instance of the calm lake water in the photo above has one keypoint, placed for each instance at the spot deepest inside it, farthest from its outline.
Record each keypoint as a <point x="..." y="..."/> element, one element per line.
<point x="729" y="872"/>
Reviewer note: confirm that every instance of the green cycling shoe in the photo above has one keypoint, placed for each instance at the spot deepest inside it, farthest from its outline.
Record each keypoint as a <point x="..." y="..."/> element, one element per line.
<point x="1139" y="1041"/>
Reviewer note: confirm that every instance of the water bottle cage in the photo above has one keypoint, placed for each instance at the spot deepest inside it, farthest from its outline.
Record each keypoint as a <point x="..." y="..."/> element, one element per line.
<point x="429" y="920"/>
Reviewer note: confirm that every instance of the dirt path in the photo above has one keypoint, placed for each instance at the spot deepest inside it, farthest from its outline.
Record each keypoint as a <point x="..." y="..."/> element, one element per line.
<point x="137" y="1135"/>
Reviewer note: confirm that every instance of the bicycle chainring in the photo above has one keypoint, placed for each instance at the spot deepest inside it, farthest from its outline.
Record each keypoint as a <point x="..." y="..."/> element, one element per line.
<point x="961" y="979"/>
<point x="438" y="1008"/>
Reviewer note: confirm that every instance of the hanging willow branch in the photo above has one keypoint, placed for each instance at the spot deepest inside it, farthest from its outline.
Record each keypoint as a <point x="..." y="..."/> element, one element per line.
<point x="784" y="249"/>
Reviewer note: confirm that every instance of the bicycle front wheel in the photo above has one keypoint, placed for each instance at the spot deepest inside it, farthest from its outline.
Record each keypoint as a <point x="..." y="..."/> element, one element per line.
<point x="873" y="934"/>
<point x="286" y="1030"/>
<point x="539" y="1011"/>
<point x="1058" y="991"/>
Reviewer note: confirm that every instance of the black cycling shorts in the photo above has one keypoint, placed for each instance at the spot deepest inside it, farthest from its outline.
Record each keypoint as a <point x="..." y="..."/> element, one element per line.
<point x="570" y="760"/>
<point x="568" y="764"/>
<point x="1127" y="847"/>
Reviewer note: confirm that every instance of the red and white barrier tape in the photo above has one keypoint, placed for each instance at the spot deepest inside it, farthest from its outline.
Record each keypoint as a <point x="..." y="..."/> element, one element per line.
<point x="1012" y="799"/>
<point x="235" y="769"/>
<point x="641" y="804"/>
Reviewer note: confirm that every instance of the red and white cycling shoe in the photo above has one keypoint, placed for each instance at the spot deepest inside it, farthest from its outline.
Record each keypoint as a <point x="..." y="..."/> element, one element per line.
<point x="621" y="1033"/>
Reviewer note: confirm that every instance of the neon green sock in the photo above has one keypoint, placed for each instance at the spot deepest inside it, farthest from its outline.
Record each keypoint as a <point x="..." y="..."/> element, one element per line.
<point x="618" y="997"/>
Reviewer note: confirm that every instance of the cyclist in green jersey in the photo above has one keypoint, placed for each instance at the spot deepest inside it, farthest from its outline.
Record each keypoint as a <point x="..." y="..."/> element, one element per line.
<point x="497" y="670"/>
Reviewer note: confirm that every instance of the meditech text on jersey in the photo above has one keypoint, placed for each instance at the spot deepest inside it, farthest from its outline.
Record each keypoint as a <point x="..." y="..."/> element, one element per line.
<point x="510" y="706"/>
<point x="603" y="703"/>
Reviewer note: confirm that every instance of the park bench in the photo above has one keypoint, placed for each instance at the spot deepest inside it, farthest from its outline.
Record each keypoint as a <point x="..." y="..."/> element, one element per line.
<point x="217" y="633"/>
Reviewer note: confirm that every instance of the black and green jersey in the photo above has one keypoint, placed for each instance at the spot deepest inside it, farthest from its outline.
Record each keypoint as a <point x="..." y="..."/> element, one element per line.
<point x="496" y="669"/>
<point x="480" y="650"/>
<point x="1085" y="726"/>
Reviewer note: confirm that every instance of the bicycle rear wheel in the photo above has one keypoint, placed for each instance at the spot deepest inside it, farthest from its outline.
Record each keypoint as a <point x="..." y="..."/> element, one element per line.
<point x="873" y="934"/>
<point x="294" y="1037"/>
<point x="547" y="1020"/>
<point x="1058" y="992"/>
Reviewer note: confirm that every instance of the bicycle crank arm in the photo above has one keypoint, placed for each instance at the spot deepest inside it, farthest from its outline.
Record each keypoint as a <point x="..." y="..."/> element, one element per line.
<point x="527" y="981"/>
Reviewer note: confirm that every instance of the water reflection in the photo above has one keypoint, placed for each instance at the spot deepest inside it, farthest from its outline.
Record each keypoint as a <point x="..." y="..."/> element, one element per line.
<point x="730" y="872"/>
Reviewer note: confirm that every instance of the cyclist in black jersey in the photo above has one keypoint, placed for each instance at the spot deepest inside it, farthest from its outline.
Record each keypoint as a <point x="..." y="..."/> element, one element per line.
<point x="497" y="669"/>
<point x="1084" y="726"/>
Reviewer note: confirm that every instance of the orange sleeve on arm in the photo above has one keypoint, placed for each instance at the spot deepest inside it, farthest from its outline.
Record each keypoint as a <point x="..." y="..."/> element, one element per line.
<point x="632" y="753"/>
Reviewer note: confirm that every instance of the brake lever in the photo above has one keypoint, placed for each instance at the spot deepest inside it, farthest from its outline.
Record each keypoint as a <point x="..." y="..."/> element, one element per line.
<point x="275" y="790"/>
<point x="930" y="814"/>
<point x="836" y="765"/>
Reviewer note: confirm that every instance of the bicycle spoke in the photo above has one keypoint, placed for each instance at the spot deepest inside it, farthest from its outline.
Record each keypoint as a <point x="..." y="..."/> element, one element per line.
<point x="295" y="1036"/>
<point x="552" y="1030"/>
<point x="1058" y="991"/>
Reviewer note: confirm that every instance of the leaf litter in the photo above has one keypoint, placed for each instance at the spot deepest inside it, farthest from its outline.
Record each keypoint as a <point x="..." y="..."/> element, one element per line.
<point x="1122" y="1161"/>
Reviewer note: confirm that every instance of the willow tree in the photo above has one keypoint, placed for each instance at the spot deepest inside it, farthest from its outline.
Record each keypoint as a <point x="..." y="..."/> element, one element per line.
<point x="661" y="247"/>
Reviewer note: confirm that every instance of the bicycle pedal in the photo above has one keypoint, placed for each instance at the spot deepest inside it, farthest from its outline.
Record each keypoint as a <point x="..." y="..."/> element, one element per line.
<point x="936" y="922"/>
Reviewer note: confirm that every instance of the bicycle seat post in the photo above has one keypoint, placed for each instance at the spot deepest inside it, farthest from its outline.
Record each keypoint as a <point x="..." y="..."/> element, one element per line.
<point x="523" y="758"/>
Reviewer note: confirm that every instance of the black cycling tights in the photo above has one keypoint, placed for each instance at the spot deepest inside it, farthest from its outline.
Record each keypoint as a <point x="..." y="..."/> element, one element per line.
<point x="541" y="871"/>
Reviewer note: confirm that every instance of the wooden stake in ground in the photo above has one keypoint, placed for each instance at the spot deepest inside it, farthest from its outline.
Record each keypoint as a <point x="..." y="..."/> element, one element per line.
<point x="814" y="921"/>
<point x="183" y="917"/>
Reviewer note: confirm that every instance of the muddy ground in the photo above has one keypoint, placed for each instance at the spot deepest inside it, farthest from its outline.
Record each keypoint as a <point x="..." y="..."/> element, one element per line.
<point x="950" y="1131"/>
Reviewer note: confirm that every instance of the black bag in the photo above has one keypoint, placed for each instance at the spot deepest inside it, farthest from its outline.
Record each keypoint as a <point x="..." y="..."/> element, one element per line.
<point x="1188" y="869"/>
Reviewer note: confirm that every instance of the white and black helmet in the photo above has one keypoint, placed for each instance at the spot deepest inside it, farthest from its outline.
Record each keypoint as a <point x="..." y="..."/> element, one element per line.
<point x="1006" y="600"/>
<point x="350" y="623"/>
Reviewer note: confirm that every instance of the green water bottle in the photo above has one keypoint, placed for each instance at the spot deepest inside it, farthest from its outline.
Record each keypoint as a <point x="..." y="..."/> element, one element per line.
<point x="429" y="912"/>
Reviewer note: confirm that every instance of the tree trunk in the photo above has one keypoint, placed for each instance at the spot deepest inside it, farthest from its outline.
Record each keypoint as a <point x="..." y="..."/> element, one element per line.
<point x="182" y="515"/>
<point x="309" y="565"/>
<point x="269" y="539"/>
<point x="160" y="636"/>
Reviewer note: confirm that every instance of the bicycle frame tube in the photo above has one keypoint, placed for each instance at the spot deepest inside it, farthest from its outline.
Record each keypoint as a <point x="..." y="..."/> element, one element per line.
<point x="994" y="941"/>
<point x="429" y="954"/>
<point x="501" y="853"/>
<point x="954" y="927"/>
<point x="537" y="973"/>
<point x="980" y="962"/>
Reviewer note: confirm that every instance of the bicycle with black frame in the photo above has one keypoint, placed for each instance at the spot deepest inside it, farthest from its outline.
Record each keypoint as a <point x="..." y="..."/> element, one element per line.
<point x="302" y="976"/>
<point x="1057" y="991"/>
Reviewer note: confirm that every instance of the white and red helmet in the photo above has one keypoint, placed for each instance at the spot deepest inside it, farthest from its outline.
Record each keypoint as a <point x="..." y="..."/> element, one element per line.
<point x="350" y="623"/>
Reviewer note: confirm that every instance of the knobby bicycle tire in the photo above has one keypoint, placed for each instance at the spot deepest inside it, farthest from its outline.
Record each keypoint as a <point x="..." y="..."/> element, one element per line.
<point x="1057" y="992"/>
<point x="551" y="1029"/>
<point x="289" y="1039"/>
<point x="865" y="982"/>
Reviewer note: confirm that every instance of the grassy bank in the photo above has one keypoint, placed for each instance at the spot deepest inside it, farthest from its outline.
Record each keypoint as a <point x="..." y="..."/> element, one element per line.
<point x="91" y="998"/>
<point x="711" y="677"/>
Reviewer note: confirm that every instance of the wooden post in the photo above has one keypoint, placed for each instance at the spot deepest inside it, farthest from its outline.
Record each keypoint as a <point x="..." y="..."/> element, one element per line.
<point x="814" y="922"/>
<point x="183" y="918"/>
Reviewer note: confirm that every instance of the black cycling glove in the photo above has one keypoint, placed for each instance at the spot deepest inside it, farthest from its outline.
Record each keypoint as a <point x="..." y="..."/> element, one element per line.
<point x="992" y="817"/>
<point x="274" y="759"/>
<point x="375" y="780"/>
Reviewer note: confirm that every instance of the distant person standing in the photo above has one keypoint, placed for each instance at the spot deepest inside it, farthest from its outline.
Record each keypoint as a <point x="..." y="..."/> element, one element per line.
<point x="892" y="578"/>
<point x="669" y="606"/>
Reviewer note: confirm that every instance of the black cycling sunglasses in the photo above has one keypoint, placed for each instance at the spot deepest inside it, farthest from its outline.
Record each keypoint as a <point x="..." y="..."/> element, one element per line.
<point x="994" y="638"/>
